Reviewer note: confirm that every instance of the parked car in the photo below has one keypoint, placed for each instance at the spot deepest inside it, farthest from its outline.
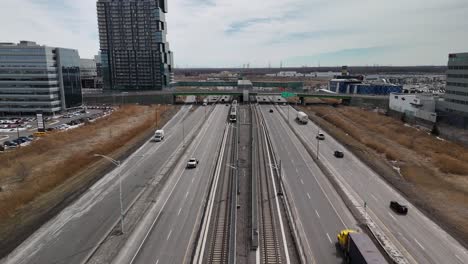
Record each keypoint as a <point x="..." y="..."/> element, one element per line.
<point x="192" y="163"/>
<point x="10" y="144"/>
<point x="339" y="154"/>
<point x="320" y="136"/>
<point x="398" y="208"/>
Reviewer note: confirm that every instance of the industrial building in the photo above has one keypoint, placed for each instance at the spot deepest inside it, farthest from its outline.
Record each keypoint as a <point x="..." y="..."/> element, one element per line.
<point x="134" y="52"/>
<point x="35" y="78"/>
<point x="355" y="86"/>
<point x="456" y="91"/>
<point x="420" y="106"/>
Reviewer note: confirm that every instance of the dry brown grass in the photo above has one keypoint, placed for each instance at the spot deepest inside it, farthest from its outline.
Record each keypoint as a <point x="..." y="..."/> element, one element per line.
<point x="447" y="156"/>
<point x="45" y="164"/>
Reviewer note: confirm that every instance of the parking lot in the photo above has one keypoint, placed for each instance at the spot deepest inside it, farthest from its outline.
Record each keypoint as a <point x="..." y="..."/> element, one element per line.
<point x="19" y="131"/>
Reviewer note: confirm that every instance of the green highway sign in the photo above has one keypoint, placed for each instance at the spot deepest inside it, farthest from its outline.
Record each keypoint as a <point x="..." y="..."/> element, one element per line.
<point x="287" y="94"/>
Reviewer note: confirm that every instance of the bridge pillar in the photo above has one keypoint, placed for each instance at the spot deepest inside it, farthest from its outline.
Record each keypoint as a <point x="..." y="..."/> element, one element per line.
<point x="302" y="100"/>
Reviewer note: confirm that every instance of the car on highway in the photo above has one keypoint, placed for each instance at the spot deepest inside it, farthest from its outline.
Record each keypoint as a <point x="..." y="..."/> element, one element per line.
<point x="192" y="163"/>
<point x="320" y="136"/>
<point x="271" y="110"/>
<point x="398" y="208"/>
<point x="339" y="154"/>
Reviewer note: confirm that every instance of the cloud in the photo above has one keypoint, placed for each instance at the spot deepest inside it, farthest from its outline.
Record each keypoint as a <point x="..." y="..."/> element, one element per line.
<point x="230" y="33"/>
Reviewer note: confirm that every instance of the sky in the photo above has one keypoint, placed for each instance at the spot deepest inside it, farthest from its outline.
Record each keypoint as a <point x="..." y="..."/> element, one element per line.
<point x="263" y="33"/>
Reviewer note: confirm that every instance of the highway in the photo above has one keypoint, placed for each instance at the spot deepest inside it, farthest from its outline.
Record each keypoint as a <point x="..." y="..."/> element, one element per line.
<point x="320" y="212"/>
<point x="417" y="237"/>
<point x="74" y="232"/>
<point x="179" y="208"/>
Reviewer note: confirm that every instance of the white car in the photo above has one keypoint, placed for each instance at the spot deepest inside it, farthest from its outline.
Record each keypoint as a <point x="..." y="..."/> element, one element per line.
<point x="192" y="163"/>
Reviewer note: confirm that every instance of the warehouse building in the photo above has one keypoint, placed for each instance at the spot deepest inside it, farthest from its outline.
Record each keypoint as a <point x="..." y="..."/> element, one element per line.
<point x="37" y="78"/>
<point x="355" y="86"/>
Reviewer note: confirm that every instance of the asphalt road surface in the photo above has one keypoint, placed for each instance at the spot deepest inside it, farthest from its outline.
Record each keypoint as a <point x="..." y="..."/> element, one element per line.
<point x="173" y="234"/>
<point x="419" y="238"/>
<point x="320" y="212"/>
<point x="71" y="235"/>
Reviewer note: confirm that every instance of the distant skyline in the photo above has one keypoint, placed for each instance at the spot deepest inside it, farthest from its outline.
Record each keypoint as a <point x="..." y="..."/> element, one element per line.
<point x="226" y="33"/>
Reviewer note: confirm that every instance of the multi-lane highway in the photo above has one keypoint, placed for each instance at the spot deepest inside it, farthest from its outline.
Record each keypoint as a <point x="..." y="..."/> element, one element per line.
<point x="179" y="208"/>
<point x="72" y="235"/>
<point x="320" y="212"/>
<point x="416" y="236"/>
<point x="169" y="230"/>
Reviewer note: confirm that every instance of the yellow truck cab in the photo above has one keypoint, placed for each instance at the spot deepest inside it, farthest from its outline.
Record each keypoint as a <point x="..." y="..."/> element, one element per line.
<point x="343" y="237"/>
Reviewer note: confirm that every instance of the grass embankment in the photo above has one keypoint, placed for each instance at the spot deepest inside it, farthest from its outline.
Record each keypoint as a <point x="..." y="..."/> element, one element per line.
<point x="436" y="170"/>
<point x="48" y="165"/>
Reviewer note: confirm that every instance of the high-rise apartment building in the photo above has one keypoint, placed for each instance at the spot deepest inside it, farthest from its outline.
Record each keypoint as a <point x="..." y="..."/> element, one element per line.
<point x="134" y="52"/>
<point x="456" y="91"/>
<point x="38" y="78"/>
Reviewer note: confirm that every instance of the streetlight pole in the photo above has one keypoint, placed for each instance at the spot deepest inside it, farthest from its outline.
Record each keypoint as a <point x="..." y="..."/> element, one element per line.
<point x="183" y="133"/>
<point x="117" y="164"/>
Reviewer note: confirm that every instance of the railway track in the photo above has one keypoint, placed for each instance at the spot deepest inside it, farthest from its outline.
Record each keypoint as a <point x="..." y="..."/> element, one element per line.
<point x="220" y="237"/>
<point x="269" y="234"/>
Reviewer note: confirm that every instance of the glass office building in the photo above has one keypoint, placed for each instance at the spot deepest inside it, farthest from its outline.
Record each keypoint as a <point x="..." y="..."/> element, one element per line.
<point x="134" y="52"/>
<point x="456" y="90"/>
<point x="38" y="78"/>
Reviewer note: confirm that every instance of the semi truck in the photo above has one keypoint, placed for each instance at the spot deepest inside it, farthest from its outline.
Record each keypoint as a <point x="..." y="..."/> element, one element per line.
<point x="358" y="248"/>
<point x="302" y="117"/>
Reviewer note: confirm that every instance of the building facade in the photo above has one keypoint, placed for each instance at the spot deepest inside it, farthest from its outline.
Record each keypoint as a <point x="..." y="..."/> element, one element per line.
<point x="355" y="86"/>
<point x="456" y="90"/>
<point x="38" y="78"/>
<point x="134" y="52"/>
<point x="422" y="106"/>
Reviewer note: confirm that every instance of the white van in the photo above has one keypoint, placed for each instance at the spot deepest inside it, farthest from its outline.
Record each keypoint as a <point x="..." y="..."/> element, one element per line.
<point x="158" y="135"/>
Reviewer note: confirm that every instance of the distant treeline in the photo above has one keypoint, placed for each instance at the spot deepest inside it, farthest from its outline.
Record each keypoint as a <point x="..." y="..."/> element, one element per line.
<point x="352" y="69"/>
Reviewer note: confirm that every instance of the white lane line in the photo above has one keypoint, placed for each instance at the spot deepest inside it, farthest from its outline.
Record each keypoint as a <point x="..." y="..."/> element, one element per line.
<point x="329" y="239"/>
<point x="461" y="261"/>
<point x="157" y="261"/>
<point x="186" y="194"/>
<point x="193" y="178"/>
<point x="297" y="171"/>
<point x="375" y="198"/>
<point x="419" y="244"/>
<point x="391" y="216"/>
<point x="317" y="214"/>
<point x="302" y="181"/>
<point x="179" y="211"/>
<point x="168" y="236"/>
<point x="308" y="195"/>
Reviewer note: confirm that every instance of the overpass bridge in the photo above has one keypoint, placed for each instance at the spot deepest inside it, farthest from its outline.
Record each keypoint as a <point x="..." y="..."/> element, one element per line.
<point x="168" y="97"/>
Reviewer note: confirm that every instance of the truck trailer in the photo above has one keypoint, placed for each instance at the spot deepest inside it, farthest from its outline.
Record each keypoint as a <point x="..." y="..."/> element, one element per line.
<point x="302" y="117"/>
<point x="358" y="248"/>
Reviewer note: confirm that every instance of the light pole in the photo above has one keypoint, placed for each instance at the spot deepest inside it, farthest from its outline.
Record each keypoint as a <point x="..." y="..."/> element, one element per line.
<point x="183" y="133"/>
<point x="117" y="163"/>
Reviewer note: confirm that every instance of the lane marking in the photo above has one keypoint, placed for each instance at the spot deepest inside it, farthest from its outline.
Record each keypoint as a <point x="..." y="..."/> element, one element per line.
<point x="168" y="236"/>
<point x="317" y="214"/>
<point x="329" y="239"/>
<point x="193" y="179"/>
<point x="374" y="198"/>
<point x="419" y="244"/>
<point x="391" y="216"/>
<point x="302" y="181"/>
<point x="186" y="194"/>
<point x="157" y="261"/>
<point x="308" y="195"/>
<point x="179" y="211"/>
<point x="458" y="258"/>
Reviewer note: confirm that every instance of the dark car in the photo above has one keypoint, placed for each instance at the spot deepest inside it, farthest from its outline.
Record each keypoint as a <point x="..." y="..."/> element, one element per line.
<point x="10" y="144"/>
<point x="271" y="110"/>
<point x="398" y="208"/>
<point x="25" y="139"/>
<point x="320" y="136"/>
<point x="339" y="154"/>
